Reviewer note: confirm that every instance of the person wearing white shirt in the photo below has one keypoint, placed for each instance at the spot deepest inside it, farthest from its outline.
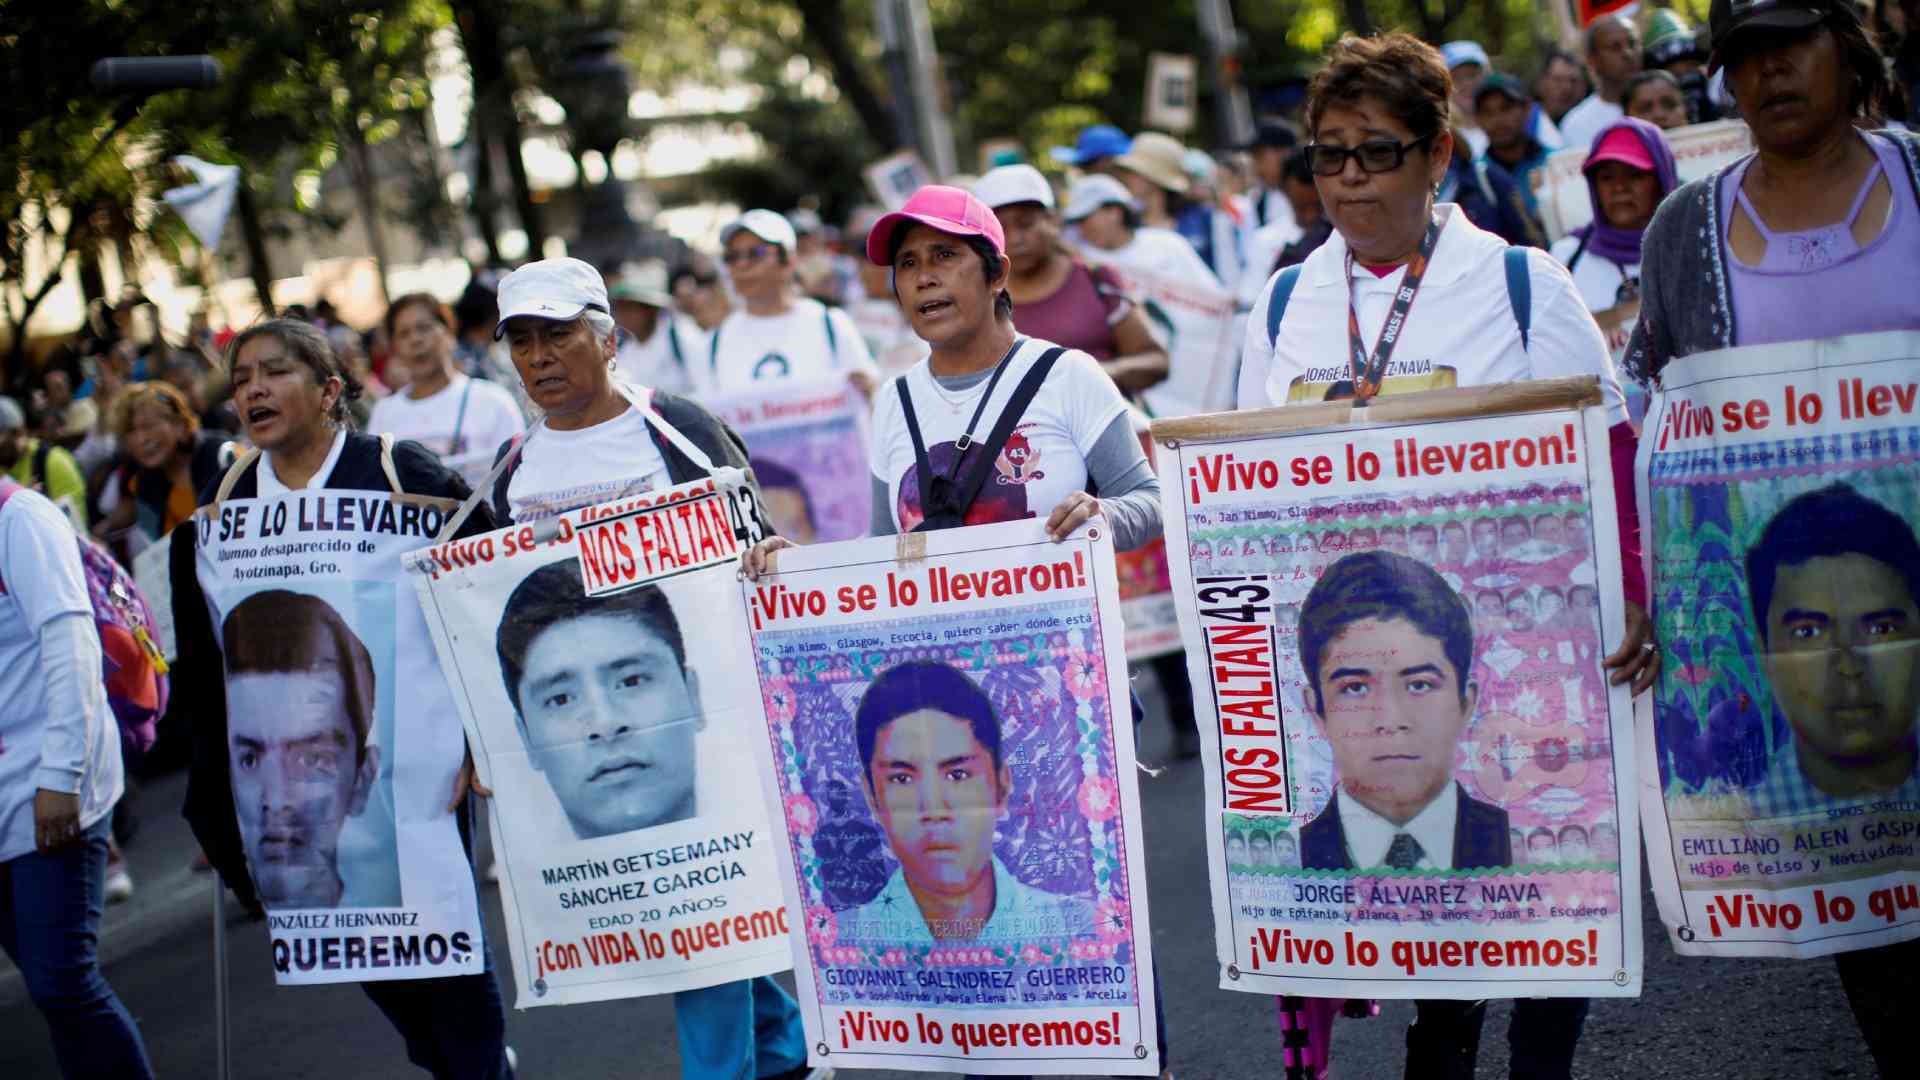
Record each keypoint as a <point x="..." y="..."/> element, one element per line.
<point x="778" y="334"/>
<point x="460" y="419"/>
<point x="657" y="347"/>
<point x="1267" y="204"/>
<point x="1613" y="55"/>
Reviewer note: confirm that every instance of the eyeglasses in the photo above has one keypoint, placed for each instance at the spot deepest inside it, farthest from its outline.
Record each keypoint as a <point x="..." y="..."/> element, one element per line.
<point x="1374" y="156"/>
<point x="751" y="254"/>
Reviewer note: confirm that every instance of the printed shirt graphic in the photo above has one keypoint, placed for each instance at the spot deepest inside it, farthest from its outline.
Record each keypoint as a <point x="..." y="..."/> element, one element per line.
<point x="1021" y="913"/>
<point x="754" y="348"/>
<point x="1044" y="460"/>
<point x="491" y="418"/>
<point x="565" y="470"/>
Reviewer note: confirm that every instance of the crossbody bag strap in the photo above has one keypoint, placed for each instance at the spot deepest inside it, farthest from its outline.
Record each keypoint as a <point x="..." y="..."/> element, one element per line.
<point x="923" y="469"/>
<point x="460" y="420"/>
<point x="1003" y="428"/>
<point x="232" y="478"/>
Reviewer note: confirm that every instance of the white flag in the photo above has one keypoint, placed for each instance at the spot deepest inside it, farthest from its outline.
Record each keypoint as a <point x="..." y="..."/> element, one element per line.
<point x="205" y="205"/>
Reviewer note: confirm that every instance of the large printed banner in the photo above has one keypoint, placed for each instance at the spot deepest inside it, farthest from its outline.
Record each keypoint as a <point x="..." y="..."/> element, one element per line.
<point x="342" y="738"/>
<point x="808" y="445"/>
<point x="597" y="663"/>
<point x="1780" y="782"/>
<point x="1698" y="149"/>
<point x="1418" y="778"/>
<point x="947" y="731"/>
<point x="1194" y="320"/>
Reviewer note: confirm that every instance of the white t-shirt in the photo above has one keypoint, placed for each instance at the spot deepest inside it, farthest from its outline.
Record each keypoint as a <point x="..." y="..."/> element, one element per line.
<point x="463" y="424"/>
<point x="1045" y="458"/>
<point x="1588" y="119"/>
<point x="1460" y="331"/>
<point x="1597" y="277"/>
<point x="797" y="345"/>
<point x="41" y="579"/>
<point x="565" y="470"/>
<point x="665" y="360"/>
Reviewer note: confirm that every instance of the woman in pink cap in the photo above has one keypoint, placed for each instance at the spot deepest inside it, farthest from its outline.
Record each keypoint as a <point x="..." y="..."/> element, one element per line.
<point x="1045" y="422"/>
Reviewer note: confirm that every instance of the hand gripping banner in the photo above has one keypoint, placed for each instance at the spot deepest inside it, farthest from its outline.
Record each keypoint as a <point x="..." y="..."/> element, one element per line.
<point x="1418" y="779"/>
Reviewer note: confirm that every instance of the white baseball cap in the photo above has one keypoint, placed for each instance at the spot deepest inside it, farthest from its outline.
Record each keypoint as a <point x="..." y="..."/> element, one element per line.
<point x="643" y="282"/>
<point x="556" y="289"/>
<point x="767" y="225"/>
<point x="1090" y="193"/>
<point x="1009" y="184"/>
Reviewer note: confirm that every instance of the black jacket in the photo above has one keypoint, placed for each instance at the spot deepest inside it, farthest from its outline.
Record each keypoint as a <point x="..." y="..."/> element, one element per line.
<point x="1480" y="837"/>
<point x="703" y="429"/>
<point x="199" y="691"/>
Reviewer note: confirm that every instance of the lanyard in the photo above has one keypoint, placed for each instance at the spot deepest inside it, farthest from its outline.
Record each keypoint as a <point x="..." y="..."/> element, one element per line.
<point x="1369" y="374"/>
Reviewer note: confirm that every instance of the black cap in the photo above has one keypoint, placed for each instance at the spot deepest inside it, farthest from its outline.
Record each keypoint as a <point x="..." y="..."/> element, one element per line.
<point x="1498" y="83"/>
<point x="1273" y="133"/>
<point x="1729" y="18"/>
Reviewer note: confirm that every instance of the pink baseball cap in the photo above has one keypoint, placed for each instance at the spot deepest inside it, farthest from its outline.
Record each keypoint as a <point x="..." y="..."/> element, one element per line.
<point x="1623" y="146"/>
<point x="951" y="210"/>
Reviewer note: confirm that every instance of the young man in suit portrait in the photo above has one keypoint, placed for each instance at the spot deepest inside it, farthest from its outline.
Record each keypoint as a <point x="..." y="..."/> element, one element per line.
<point x="1388" y="648"/>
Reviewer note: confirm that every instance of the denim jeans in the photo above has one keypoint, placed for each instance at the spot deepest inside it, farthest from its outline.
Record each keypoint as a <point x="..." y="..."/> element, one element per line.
<point x="738" y="1031"/>
<point x="455" y="1027"/>
<point x="49" y="924"/>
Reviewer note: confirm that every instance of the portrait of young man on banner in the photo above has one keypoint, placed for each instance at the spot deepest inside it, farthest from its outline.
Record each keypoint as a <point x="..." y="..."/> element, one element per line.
<point x="1388" y="651"/>
<point x="301" y="747"/>
<point x="938" y="784"/>
<point x="605" y="703"/>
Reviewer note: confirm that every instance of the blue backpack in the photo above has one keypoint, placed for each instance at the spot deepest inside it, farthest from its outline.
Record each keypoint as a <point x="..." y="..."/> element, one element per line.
<point x="1519" y="295"/>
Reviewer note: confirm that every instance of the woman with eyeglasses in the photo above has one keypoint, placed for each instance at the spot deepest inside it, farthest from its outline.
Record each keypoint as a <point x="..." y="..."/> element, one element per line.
<point x="1471" y="311"/>
<point x="1814" y="235"/>
<point x="779" y="334"/>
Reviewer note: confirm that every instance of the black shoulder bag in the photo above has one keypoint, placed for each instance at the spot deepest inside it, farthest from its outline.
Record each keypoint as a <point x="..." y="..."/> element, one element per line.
<point x="946" y="499"/>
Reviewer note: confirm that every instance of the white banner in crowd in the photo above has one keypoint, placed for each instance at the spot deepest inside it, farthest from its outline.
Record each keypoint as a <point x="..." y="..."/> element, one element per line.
<point x="342" y="738"/>
<point x="1194" y="320"/>
<point x="1417" y="777"/>
<point x="1698" y="149"/>
<point x="1779" y="780"/>
<point x="948" y="736"/>
<point x="808" y="445"/>
<point x="596" y="659"/>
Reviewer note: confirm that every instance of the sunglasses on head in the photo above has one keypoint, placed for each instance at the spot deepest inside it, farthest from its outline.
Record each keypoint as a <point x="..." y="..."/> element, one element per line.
<point x="749" y="254"/>
<point x="1374" y="156"/>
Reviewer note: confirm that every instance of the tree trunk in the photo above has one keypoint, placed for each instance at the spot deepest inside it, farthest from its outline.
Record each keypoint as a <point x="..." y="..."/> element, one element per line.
<point x="482" y="199"/>
<point x="1359" y="19"/>
<point x="825" y="22"/>
<point x="259" y="265"/>
<point x="360" y="171"/>
<point x="493" y="96"/>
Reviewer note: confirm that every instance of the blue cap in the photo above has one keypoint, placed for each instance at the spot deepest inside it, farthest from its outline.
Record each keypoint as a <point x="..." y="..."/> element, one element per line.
<point x="1464" y="52"/>
<point x="1096" y="142"/>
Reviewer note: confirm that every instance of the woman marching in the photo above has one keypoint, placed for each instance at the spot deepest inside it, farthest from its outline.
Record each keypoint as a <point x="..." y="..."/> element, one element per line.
<point x="1814" y="235"/>
<point x="949" y="257"/>
<point x="1378" y="117"/>
<point x="292" y="394"/>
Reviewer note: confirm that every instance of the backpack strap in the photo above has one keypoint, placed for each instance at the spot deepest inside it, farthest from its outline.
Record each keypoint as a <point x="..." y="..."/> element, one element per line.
<point x="1579" y="250"/>
<point x="673" y="344"/>
<point x="227" y="483"/>
<point x="923" y="469"/>
<point x="1280" y="292"/>
<point x="713" y="352"/>
<point x="1520" y="292"/>
<point x="1016" y="407"/>
<point x="833" y="339"/>
<point x="400" y="494"/>
<point x="460" y="419"/>
<point x="40" y="455"/>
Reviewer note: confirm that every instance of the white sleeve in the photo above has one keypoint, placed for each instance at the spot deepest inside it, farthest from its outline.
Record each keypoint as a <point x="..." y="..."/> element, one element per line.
<point x="47" y="584"/>
<point x="850" y="348"/>
<point x="380" y="420"/>
<point x="1564" y="339"/>
<point x="502" y="420"/>
<point x="1092" y="399"/>
<point x="1256" y="354"/>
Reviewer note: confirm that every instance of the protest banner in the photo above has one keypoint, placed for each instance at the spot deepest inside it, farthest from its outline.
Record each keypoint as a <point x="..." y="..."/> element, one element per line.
<point x="150" y="573"/>
<point x="1146" y="590"/>
<point x="1779" y="778"/>
<point x="1698" y="149"/>
<point x="1418" y="783"/>
<point x="595" y="656"/>
<point x="342" y="739"/>
<point x="948" y="736"/>
<point x="808" y="445"/>
<point x="1194" y="320"/>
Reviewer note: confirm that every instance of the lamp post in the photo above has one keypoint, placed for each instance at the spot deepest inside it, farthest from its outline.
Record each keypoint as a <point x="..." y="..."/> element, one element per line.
<point x="594" y="89"/>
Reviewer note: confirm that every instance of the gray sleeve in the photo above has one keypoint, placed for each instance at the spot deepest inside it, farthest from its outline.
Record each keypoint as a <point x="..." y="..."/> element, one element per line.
<point x="1129" y="491"/>
<point x="882" y="522"/>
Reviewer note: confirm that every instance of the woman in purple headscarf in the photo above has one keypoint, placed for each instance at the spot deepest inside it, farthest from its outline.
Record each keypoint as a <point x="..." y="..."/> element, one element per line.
<point x="1629" y="171"/>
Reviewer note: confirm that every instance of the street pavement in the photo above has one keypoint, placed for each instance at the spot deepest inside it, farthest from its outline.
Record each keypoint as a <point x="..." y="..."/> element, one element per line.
<point x="1698" y="1020"/>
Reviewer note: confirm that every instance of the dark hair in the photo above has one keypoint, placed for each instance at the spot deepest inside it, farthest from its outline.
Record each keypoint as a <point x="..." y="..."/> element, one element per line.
<point x="1649" y="75"/>
<point x="1540" y="830"/>
<point x="1296" y="168"/>
<point x="555" y="594"/>
<point x="1400" y="71"/>
<point x="1259" y="834"/>
<point x="1565" y="830"/>
<point x="991" y="263"/>
<point x="1871" y="92"/>
<point x="278" y="631"/>
<point x="1833" y="520"/>
<point x="440" y="312"/>
<point x="166" y="397"/>
<point x="923" y="684"/>
<point x="703" y="277"/>
<point x="307" y="345"/>
<point x="1383" y="585"/>
<point x="773" y="476"/>
<point x="1556" y="55"/>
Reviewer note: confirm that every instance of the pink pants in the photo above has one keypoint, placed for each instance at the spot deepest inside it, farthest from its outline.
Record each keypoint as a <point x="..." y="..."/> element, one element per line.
<point x="1306" y="1032"/>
